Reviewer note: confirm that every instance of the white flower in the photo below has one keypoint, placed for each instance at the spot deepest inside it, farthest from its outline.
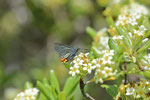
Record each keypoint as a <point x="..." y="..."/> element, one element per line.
<point x="74" y="70"/>
<point x="94" y="61"/>
<point x="108" y="53"/>
<point x="132" y="21"/>
<point x="135" y="7"/>
<point x="117" y="37"/>
<point x="98" y="65"/>
<point x="130" y="91"/>
<point x="72" y="73"/>
<point x="81" y="64"/>
<point x="101" y="80"/>
<point x="77" y="71"/>
<point x="138" y="96"/>
<point x="146" y="68"/>
<point x="135" y="15"/>
<point x="76" y="66"/>
<point x="108" y="71"/>
<point x="103" y="72"/>
<point x="138" y="32"/>
<point x="104" y="42"/>
<point x="147" y="82"/>
<point x="145" y="40"/>
<point x="131" y="13"/>
<point x="88" y="68"/>
<point x="142" y="28"/>
<point x="107" y="60"/>
<point x="29" y="94"/>
<point x="147" y="57"/>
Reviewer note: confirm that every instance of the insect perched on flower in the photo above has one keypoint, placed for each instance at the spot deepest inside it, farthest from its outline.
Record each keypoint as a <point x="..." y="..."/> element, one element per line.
<point x="66" y="52"/>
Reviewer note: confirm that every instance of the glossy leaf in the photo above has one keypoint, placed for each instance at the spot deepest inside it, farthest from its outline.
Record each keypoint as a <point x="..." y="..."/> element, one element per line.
<point x="51" y="88"/>
<point x="67" y="65"/>
<point x="126" y="37"/>
<point x="45" y="90"/>
<point x="91" y="32"/>
<point x="145" y="47"/>
<point x="54" y="92"/>
<point x="41" y="96"/>
<point x="112" y="44"/>
<point x="62" y="96"/>
<point x="111" y="89"/>
<point x="71" y="85"/>
<point x="54" y="81"/>
<point x="95" y="52"/>
<point x="110" y="21"/>
<point x="28" y="85"/>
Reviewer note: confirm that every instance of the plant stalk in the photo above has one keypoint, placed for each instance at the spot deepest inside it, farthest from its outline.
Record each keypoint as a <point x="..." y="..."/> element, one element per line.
<point x="86" y="95"/>
<point x="125" y="75"/>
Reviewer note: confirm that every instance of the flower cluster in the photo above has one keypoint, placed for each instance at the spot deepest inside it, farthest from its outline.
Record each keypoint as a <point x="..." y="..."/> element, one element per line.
<point x="101" y="40"/>
<point x="29" y="94"/>
<point x="104" y="70"/>
<point x="81" y="65"/>
<point x="136" y="89"/>
<point x="131" y="14"/>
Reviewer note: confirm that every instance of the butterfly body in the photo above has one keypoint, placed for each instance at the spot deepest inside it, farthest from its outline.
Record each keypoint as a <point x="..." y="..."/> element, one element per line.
<point x="66" y="53"/>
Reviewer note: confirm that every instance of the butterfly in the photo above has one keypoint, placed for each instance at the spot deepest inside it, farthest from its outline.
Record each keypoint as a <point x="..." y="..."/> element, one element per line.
<point x="66" y="52"/>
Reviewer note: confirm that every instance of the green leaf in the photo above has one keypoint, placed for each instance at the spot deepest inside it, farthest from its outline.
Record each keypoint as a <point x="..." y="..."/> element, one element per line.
<point x="105" y="86"/>
<point x="54" y="81"/>
<point x="50" y="88"/>
<point x="138" y="43"/>
<point x="62" y="96"/>
<point x="41" y="96"/>
<point x="71" y="85"/>
<point x="95" y="52"/>
<point x="45" y="82"/>
<point x="67" y="65"/>
<point x="112" y="44"/>
<point x="110" y="21"/>
<point x="91" y="32"/>
<point x="28" y="85"/>
<point x="147" y="34"/>
<point x="46" y="90"/>
<point x="111" y="89"/>
<point x="145" y="47"/>
<point x="140" y="55"/>
<point x="126" y="37"/>
<point x="54" y="92"/>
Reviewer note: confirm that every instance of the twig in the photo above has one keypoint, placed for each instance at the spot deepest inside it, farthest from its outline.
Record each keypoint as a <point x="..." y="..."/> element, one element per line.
<point x="141" y="69"/>
<point x="125" y="75"/>
<point x="86" y="95"/>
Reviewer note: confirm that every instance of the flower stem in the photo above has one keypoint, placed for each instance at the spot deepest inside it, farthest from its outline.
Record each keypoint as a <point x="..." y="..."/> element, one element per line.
<point x="86" y="95"/>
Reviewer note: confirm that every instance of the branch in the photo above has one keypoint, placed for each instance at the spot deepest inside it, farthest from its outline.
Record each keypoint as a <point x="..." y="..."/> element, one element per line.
<point x="125" y="75"/>
<point x="86" y="95"/>
<point x="141" y="69"/>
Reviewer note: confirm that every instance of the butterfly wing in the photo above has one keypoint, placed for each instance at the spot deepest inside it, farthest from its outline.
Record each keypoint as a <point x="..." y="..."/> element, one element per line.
<point x="65" y="52"/>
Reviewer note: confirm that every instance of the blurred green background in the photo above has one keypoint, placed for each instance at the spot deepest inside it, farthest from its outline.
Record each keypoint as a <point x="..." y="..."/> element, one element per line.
<point x="28" y="29"/>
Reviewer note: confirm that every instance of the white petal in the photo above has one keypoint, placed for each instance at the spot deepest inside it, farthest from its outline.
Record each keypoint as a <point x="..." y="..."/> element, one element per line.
<point x="84" y="68"/>
<point x="77" y="71"/>
<point x="73" y="74"/>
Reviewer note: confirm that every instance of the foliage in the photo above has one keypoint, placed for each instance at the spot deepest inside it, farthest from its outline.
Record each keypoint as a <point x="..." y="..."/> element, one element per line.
<point x="51" y="91"/>
<point x="119" y="52"/>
